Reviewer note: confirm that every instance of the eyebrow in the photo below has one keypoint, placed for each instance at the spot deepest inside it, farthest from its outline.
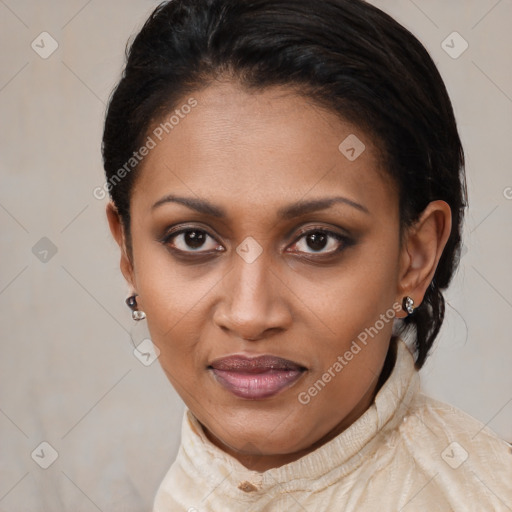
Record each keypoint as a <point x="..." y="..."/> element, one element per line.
<point x="286" y="212"/>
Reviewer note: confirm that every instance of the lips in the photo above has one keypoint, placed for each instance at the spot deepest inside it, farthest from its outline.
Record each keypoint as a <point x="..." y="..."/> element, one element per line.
<point x="256" y="377"/>
<point x="254" y="364"/>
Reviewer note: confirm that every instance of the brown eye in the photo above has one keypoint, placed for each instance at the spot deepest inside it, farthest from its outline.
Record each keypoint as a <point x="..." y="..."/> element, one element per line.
<point x="191" y="240"/>
<point x="194" y="239"/>
<point x="317" y="240"/>
<point x="320" y="242"/>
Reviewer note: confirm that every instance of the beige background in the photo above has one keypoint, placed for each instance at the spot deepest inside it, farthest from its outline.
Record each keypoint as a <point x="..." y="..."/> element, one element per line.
<point x="68" y="373"/>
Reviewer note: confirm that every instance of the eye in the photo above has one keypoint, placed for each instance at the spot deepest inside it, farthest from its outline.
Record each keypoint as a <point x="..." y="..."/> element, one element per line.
<point x="314" y="241"/>
<point x="191" y="240"/>
<point x="321" y="241"/>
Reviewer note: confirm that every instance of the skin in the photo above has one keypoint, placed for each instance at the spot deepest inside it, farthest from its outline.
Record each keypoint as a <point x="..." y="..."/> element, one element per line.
<point x="252" y="153"/>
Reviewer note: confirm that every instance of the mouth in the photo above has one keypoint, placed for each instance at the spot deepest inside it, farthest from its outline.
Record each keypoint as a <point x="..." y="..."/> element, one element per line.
<point x="257" y="377"/>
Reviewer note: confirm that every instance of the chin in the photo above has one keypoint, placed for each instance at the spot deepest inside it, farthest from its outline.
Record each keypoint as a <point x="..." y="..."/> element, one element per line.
<point x="259" y="437"/>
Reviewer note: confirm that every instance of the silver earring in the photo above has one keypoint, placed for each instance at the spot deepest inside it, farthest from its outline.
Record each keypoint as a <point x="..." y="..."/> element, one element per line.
<point x="408" y="305"/>
<point x="132" y="304"/>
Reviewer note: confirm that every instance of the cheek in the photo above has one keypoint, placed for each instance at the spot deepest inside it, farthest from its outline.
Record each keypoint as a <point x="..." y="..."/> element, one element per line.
<point x="169" y="291"/>
<point x="358" y="310"/>
<point x="359" y="290"/>
<point x="173" y="298"/>
<point x="357" y="306"/>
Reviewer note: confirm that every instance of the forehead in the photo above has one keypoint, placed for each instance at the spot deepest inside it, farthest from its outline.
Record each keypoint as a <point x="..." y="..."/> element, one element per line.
<point x="251" y="148"/>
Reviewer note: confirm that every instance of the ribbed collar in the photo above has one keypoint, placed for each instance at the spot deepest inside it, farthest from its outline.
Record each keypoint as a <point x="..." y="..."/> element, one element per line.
<point x="205" y="463"/>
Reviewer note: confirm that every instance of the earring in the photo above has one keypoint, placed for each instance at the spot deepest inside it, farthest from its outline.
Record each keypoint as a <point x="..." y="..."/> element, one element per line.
<point x="132" y="304"/>
<point x="408" y="305"/>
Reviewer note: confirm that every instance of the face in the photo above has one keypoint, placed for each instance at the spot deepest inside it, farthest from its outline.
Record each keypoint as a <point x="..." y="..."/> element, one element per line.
<point x="287" y="248"/>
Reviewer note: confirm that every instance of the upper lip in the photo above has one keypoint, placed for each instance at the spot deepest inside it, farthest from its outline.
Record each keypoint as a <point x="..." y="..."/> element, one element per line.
<point x="239" y="362"/>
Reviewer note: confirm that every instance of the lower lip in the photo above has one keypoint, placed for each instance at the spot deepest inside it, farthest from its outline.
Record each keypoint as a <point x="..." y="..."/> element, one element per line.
<point x="256" y="385"/>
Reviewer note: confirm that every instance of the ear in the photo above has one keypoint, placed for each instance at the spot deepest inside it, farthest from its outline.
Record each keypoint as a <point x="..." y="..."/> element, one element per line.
<point x="422" y="248"/>
<point x="117" y="230"/>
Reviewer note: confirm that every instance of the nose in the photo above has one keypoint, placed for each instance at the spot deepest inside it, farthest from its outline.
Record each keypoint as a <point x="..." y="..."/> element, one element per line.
<point x="254" y="302"/>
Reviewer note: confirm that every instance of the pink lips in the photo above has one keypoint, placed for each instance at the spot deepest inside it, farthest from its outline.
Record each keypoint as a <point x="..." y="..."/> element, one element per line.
<point x="257" y="377"/>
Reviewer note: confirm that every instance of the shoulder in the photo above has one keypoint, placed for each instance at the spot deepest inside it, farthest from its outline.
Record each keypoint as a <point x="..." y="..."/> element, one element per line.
<point x="446" y="422"/>
<point x="462" y="455"/>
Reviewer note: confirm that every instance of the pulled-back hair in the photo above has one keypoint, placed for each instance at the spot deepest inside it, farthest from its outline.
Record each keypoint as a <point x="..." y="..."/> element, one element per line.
<point x="345" y="55"/>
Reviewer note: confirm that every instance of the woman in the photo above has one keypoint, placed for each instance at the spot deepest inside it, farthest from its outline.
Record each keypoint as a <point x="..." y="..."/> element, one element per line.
<point x="288" y="190"/>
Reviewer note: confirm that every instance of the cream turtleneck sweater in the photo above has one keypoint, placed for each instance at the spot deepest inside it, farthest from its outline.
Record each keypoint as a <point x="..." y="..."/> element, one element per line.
<point x="408" y="452"/>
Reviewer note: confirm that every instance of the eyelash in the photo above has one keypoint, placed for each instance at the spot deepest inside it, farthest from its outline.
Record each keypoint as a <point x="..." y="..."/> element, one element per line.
<point x="343" y="240"/>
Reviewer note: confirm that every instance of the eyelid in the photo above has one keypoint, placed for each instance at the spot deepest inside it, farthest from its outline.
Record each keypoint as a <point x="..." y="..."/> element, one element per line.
<point x="324" y="229"/>
<point x="180" y="228"/>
